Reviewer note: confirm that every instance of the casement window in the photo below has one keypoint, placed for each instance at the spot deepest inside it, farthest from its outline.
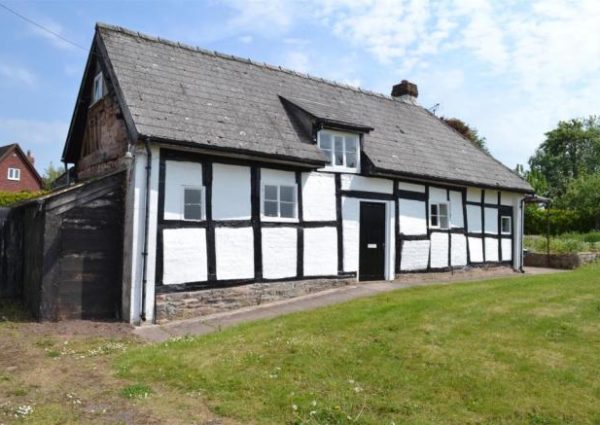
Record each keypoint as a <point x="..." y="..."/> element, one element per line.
<point x="279" y="201"/>
<point x="341" y="149"/>
<point x="193" y="205"/>
<point x="438" y="216"/>
<point x="14" y="174"/>
<point x="505" y="225"/>
<point x="98" y="88"/>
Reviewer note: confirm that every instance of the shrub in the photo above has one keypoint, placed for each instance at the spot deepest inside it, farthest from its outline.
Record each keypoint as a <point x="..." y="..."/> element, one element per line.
<point x="8" y="199"/>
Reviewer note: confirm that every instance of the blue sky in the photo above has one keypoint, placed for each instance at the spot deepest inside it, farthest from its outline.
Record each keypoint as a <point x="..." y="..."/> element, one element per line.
<point x="511" y="69"/>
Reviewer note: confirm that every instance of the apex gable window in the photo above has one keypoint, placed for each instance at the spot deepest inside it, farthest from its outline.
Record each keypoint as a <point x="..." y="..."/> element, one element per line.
<point x="14" y="174"/>
<point x="98" y="88"/>
<point x="505" y="225"/>
<point x="193" y="208"/>
<point x="438" y="216"/>
<point x="342" y="150"/>
<point x="279" y="201"/>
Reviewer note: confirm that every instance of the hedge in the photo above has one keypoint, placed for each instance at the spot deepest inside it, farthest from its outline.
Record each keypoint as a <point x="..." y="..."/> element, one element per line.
<point x="561" y="221"/>
<point x="7" y="199"/>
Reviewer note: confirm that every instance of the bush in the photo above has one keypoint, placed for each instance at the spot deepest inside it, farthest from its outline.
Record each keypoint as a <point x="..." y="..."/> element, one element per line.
<point x="8" y="199"/>
<point x="561" y="221"/>
<point x="568" y="243"/>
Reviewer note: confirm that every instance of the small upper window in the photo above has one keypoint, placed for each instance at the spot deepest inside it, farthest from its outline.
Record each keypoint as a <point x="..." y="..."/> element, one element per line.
<point x="14" y="174"/>
<point x="279" y="201"/>
<point x="98" y="89"/>
<point x="438" y="216"/>
<point x="505" y="225"/>
<point x="192" y="203"/>
<point x="341" y="149"/>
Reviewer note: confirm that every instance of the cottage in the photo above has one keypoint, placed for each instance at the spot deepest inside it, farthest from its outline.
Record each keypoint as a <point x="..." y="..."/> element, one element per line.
<point x="17" y="171"/>
<point x="246" y="182"/>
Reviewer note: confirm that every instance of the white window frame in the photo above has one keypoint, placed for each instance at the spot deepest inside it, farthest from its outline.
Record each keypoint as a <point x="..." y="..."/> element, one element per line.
<point x="331" y="166"/>
<point x="438" y="215"/>
<point x="14" y="174"/>
<point x="98" y="79"/>
<point x="202" y="203"/>
<point x="278" y="217"/>
<point x="502" y="218"/>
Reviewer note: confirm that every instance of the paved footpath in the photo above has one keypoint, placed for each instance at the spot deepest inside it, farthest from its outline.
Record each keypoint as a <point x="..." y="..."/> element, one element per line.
<point x="215" y="322"/>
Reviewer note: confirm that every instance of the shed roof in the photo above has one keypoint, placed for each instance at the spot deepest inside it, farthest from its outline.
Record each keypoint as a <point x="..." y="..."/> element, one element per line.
<point x="181" y="94"/>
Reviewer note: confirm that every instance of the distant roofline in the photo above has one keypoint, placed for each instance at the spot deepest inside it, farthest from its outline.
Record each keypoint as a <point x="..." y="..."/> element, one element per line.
<point x="214" y="53"/>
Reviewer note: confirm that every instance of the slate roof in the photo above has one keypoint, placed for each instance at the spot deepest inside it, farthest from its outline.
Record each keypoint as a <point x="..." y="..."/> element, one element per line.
<point x="182" y="94"/>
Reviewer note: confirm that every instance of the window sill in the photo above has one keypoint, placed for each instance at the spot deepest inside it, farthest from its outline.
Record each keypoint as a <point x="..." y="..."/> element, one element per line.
<point x="346" y="170"/>
<point x="278" y="219"/>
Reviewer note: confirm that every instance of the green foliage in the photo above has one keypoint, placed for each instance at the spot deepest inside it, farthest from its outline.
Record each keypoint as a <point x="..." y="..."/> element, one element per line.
<point x="511" y="350"/>
<point x="569" y="151"/>
<point x="560" y="221"/>
<point x="583" y="196"/>
<point x="8" y="199"/>
<point x="50" y="175"/>
<point x="468" y="132"/>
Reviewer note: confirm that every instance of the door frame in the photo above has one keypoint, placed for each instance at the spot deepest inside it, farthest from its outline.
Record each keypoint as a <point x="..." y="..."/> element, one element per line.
<point x="390" y="242"/>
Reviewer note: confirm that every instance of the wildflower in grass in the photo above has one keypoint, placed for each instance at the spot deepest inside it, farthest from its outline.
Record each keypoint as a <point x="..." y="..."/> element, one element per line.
<point x="23" y="410"/>
<point x="314" y="403"/>
<point x="294" y="407"/>
<point x="313" y="412"/>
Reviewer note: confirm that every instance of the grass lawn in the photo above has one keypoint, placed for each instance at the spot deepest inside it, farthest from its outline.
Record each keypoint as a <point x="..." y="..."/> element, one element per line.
<point x="513" y="350"/>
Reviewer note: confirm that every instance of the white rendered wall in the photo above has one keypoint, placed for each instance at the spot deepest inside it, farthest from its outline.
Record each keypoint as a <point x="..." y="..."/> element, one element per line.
<point x="413" y="217"/>
<point x="235" y="253"/>
<point x="437" y="194"/>
<point x="320" y="251"/>
<point x="231" y="192"/>
<point x="184" y="256"/>
<point x="491" y="249"/>
<point x="279" y="247"/>
<point x="318" y="196"/>
<point x="475" y="250"/>
<point x="506" y="249"/>
<point x="439" y="250"/>
<point x="179" y="174"/>
<point x="458" y="250"/>
<point x="411" y="187"/>
<point x="367" y="184"/>
<point x="491" y="221"/>
<point x="507" y="198"/>
<point x="491" y="197"/>
<point x="517" y="229"/>
<point x="474" y="218"/>
<point x="137" y="247"/>
<point x="414" y="255"/>
<point x="351" y="228"/>
<point x="473" y="194"/>
<point x="456" y="209"/>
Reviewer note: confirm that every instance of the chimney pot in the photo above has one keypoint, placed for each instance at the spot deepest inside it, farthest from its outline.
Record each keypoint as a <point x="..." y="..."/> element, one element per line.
<point x="30" y="157"/>
<point x="406" y="92"/>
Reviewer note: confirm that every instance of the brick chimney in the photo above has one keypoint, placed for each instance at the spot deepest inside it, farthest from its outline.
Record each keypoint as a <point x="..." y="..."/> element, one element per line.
<point x="406" y="92"/>
<point x="30" y="157"/>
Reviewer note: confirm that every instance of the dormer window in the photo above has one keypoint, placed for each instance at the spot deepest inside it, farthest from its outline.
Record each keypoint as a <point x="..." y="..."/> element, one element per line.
<point x="98" y="88"/>
<point x="341" y="149"/>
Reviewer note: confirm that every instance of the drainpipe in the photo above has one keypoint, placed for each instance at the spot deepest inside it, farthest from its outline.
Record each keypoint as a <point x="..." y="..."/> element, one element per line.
<point x="67" y="172"/>
<point x="146" y="227"/>
<point x="522" y="231"/>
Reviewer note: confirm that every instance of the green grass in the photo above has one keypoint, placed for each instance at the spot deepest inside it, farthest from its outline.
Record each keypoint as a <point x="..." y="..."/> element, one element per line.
<point x="514" y="350"/>
<point x="566" y="243"/>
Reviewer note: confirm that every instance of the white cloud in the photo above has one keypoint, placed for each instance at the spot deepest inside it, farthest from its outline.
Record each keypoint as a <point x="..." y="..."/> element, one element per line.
<point x="33" y="132"/>
<point x="53" y="39"/>
<point x="246" y="39"/>
<point x="18" y="74"/>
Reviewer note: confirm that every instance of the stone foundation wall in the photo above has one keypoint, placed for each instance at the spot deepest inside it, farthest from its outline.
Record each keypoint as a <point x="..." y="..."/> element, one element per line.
<point x="559" y="261"/>
<point x="184" y="305"/>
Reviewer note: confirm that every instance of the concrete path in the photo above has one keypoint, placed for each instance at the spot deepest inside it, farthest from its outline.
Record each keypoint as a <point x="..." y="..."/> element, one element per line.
<point x="216" y="322"/>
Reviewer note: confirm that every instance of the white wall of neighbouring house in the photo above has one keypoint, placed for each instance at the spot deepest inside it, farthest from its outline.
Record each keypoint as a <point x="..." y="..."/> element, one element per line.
<point x="179" y="175"/>
<point x="234" y="252"/>
<point x="184" y="256"/>
<point x="231" y="192"/>
<point x="279" y="252"/>
<point x="318" y="196"/>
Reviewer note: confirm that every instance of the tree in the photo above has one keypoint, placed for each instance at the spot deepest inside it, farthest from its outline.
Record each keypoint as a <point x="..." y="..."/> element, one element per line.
<point x="570" y="150"/>
<point x="468" y="132"/>
<point x="50" y="175"/>
<point x="583" y="195"/>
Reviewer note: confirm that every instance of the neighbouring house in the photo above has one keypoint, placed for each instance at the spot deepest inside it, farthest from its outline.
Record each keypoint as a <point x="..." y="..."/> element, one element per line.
<point x="17" y="171"/>
<point x="244" y="182"/>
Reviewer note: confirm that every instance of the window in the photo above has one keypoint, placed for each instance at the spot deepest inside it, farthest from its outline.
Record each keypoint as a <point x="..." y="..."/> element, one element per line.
<point x="14" y="174"/>
<point x="98" y="88"/>
<point x="192" y="203"/>
<point x="340" y="148"/>
<point x="505" y="225"/>
<point x="279" y="201"/>
<point x="438" y="216"/>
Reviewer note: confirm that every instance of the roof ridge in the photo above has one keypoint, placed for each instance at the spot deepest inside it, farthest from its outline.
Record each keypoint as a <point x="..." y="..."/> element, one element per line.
<point x="266" y="65"/>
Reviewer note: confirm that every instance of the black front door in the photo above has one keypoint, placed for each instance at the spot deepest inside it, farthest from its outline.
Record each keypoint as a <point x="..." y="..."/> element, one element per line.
<point x="372" y="241"/>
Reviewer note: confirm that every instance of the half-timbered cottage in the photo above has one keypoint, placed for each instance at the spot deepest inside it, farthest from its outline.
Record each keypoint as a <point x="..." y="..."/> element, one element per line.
<point x="246" y="181"/>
